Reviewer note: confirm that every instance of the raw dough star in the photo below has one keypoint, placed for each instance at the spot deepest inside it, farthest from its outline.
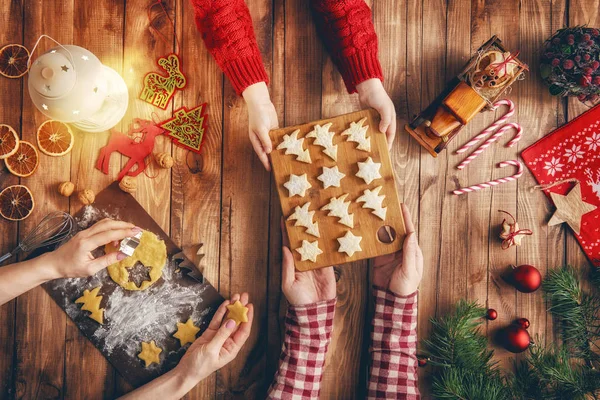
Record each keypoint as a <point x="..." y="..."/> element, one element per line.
<point x="91" y="302"/>
<point x="324" y="138"/>
<point x="150" y="353"/>
<point x="293" y="145"/>
<point x="373" y="201"/>
<point x="358" y="133"/>
<point x="337" y="208"/>
<point x="237" y="312"/>
<point x="297" y="185"/>
<point x="304" y="218"/>
<point x="186" y="333"/>
<point x="368" y="170"/>
<point x="349" y="244"/>
<point x="309" y="251"/>
<point x="331" y="177"/>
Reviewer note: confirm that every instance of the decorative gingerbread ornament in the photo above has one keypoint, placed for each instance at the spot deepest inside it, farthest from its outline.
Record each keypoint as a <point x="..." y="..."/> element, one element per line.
<point x="511" y="235"/>
<point x="187" y="127"/>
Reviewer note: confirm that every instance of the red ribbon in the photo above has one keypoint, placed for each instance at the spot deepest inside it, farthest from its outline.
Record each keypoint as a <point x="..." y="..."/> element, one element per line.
<point x="510" y="240"/>
<point x="507" y="60"/>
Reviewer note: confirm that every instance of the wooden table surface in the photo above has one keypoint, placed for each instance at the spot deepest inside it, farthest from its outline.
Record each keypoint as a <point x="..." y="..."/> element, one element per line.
<point x="226" y="200"/>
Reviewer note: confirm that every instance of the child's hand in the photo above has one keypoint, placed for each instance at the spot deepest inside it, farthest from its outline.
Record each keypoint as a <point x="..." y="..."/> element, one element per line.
<point x="262" y="117"/>
<point x="304" y="287"/>
<point x="372" y="94"/>
<point x="401" y="272"/>
<point x="218" y="345"/>
<point x="74" y="259"/>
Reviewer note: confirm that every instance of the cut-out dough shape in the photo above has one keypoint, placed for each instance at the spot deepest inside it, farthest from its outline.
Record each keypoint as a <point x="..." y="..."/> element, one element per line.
<point x="331" y="177"/>
<point x="324" y="138"/>
<point x="151" y="252"/>
<point x="349" y="243"/>
<point x="304" y="218"/>
<point x="338" y="208"/>
<point x="293" y="145"/>
<point x="368" y="170"/>
<point x="309" y="250"/>
<point x="237" y="312"/>
<point x="374" y="201"/>
<point x="358" y="133"/>
<point x="297" y="185"/>
<point x="91" y="302"/>
<point x="186" y="333"/>
<point x="150" y="353"/>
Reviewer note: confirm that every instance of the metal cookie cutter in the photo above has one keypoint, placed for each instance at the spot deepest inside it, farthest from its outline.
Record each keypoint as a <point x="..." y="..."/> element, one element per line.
<point x="129" y="244"/>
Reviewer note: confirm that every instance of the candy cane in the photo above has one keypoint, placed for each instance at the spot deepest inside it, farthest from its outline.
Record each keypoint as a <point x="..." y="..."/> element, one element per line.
<point x="492" y="127"/>
<point x="492" y="139"/>
<point x="485" y="185"/>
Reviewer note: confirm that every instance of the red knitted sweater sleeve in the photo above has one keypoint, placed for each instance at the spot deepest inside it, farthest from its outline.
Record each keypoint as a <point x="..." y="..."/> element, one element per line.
<point x="346" y="29"/>
<point x="227" y="31"/>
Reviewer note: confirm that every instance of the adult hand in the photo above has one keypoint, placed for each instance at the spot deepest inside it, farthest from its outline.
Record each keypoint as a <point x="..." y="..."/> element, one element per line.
<point x="372" y="94"/>
<point x="74" y="259"/>
<point x="401" y="272"/>
<point x="304" y="287"/>
<point x="262" y="117"/>
<point x="219" y="344"/>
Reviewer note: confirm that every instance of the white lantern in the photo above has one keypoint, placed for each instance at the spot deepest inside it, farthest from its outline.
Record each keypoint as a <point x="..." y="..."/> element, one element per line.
<point x="70" y="84"/>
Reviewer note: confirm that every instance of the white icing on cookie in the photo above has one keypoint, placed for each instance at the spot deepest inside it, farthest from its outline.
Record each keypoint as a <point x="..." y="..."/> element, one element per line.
<point x="349" y="243"/>
<point x="293" y="145"/>
<point x="309" y="251"/>
<point x="358" y="133"/>
<point x="338" y="208"/>
<point x="368" y="170"/>
<point x="374" y="201"/>
<point x="297" y="185"/>
<point x="304" y="218"/>
<point x="324" y="138"/>
<point x="331" y="177"/>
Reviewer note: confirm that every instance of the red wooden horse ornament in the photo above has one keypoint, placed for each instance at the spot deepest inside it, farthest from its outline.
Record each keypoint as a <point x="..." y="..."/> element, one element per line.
<point x="137" y="144"/>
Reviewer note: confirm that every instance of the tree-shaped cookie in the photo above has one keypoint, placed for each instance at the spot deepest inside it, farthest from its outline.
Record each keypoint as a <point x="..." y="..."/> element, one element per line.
<point x="150" y="353"/>
<point x="374" y="201"/>
<point x="358" y="133"/>
<point x="91" y="302"/>
<point x="338" y="208"/>
<point x="324" y="138"/>
<point x="293" y="145"/>
<point x="304" y="218"/>
<point x="368" y="170"/>
<point x="186" y="333"/>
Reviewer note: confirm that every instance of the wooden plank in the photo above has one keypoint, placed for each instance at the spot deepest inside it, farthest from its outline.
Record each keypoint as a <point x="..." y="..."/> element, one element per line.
<point x="11" y="17"/>
<point x="40" y="325"/>
<point x="245" y="225"/>
<point x="97" y="27"/>
<point x="365" y="224"/>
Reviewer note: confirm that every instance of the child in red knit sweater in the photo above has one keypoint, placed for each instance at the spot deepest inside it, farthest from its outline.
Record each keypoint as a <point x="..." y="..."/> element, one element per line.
<point x="347" y="31"/>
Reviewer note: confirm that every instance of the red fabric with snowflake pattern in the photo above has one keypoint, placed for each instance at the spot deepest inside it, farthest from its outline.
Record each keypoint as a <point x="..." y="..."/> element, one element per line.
<point x="573" y="151"/>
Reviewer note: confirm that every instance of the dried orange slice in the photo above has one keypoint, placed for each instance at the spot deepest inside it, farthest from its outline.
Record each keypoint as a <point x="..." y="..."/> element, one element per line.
<point x="9" y="141"/>
<point x="24" y="162"/>
<point x="55" y="138"/>
<point x="13" y="60"/>
<point x="16" y="202"/>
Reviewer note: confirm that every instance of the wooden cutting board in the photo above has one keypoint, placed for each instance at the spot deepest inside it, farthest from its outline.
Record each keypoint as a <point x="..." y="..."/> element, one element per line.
<point x="134" y="316"/>
<point x="366" y="224"/>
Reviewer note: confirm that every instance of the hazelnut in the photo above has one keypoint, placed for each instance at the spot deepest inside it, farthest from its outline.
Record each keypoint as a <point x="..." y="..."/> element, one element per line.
<point x="87" y="197"/>
<point x="128" y="184"/>
<point x="164" y="160"/>
<point x="66" y="188"/>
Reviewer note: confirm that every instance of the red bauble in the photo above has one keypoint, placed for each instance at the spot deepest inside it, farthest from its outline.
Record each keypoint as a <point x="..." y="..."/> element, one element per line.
<point x="422" y="361"/>
<point x="491" y="314"/>
<point x="523" y="323"/>
<point x="526" y="278"/>
<point x="516" y="339"/>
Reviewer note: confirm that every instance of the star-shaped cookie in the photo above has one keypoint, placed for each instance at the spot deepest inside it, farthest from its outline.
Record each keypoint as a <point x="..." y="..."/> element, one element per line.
<point x="374" y="201"/>
<point x="324" y="138"/>
<point x="186" y="333"/>
<point x="331" y="177"/>
<point x="368" y="170"/>
<point x="358" y="133"/>
<point x="150" y="353"/>
<point x="570" y="209"/>
<point x="349" y="243"/>
<point x="237" y="312"/>
<point x="293" y="145"/>
<point x="304" y="218"/>
<point x="309" y="250"/>
<point x="338" y="208"/>
<point x="297" y="185"/>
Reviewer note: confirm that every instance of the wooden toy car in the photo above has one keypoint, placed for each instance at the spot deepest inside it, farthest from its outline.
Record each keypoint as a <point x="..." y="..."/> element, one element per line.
<point x="484" y="79"/>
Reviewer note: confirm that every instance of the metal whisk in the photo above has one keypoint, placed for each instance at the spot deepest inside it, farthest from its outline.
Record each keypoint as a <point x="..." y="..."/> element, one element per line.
<point x="52" y="229"/>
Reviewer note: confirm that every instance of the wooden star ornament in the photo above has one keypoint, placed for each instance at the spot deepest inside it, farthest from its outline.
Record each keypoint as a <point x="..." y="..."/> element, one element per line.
<point x="570" y="208"/>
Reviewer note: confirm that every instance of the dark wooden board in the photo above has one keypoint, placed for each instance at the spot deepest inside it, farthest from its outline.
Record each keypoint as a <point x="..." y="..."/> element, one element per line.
<point x="114" y="338"/>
